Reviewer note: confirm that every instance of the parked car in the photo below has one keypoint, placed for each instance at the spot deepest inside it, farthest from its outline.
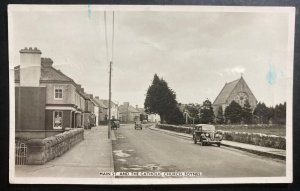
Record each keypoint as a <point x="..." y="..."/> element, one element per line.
<point x="206" y="135"/>
<point x="138" y="125"/>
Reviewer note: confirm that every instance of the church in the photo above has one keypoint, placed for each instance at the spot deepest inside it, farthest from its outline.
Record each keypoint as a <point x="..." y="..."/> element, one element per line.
<point x="237" y="90"/>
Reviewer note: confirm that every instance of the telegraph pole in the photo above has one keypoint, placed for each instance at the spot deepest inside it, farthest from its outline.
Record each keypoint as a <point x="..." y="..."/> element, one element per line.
<point x="109" y="102"/>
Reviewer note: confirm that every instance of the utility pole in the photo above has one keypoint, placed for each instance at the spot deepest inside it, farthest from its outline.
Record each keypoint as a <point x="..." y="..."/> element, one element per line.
<point x="109" y="102"/>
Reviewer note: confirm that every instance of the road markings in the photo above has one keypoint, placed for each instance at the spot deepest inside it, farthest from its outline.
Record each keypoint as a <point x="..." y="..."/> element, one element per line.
<point x="120" y="153"/>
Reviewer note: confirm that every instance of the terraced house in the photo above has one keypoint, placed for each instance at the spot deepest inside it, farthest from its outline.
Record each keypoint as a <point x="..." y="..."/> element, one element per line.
<point x="47" y="101"/>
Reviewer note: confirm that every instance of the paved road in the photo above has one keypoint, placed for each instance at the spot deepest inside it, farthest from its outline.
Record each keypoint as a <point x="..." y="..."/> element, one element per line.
<point x="148" y="150"/>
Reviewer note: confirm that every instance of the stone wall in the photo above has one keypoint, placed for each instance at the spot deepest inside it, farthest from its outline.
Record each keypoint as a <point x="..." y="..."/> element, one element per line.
<point x="40" y="151"/>
<point x="259" y="139"/>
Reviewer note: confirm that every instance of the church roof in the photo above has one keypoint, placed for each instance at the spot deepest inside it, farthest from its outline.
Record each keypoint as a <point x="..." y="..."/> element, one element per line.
<point x="225" y="92"/>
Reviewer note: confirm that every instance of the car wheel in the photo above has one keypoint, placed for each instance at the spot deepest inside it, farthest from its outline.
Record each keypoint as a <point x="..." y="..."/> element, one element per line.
<point x="219" y="144"/>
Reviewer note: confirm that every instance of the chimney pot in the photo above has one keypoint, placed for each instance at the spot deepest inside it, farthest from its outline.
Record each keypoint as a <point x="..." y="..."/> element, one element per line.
<point x="30" y="67"/>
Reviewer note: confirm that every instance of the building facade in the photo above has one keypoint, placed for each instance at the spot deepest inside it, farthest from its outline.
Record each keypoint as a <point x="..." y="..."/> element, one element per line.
<point x="47" y="101"/>
<point x="128" y="113"/>
<point x="237" y="91"/>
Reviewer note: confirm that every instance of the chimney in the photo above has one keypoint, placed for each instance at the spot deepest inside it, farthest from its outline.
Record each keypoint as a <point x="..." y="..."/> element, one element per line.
<point x="82" y="89"/>
<point x="126" y="104"/>
<point x="97" y="97"/>
<point x="30" y="67"/>
<point x="136" y="106"/>
<point x="46" y="62"/>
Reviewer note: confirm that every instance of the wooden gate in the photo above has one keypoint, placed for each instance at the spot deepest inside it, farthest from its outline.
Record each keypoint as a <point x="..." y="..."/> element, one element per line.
<point x="21" y="153"/>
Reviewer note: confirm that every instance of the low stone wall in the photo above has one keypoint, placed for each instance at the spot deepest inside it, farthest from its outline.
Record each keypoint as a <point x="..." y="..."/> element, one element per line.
<point x="40" y="151"/>
<point x="179" y="129"/>
<point x="259" y="139"/>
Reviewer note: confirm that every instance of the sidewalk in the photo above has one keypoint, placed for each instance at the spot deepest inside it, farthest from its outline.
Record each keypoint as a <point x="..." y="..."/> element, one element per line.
<point x="259" y="150"/>
<point x="86" y="159"/>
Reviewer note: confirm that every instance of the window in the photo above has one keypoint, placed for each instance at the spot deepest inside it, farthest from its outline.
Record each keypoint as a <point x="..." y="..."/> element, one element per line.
<point x="58" y="92"/>
<point x="57" y="119"/>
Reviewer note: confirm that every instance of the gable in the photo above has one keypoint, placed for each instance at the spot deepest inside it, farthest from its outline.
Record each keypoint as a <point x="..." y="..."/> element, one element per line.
<point x="225" y="92"/>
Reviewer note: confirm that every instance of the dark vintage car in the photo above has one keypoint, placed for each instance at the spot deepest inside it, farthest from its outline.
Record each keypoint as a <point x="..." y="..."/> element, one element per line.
<point x="138" y="125"/>
<point x="115" y="124"/>
<point x="207" y="135"/>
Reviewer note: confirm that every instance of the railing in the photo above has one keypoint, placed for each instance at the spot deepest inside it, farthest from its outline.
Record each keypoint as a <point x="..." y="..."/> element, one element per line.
<point x="20" y="153"/>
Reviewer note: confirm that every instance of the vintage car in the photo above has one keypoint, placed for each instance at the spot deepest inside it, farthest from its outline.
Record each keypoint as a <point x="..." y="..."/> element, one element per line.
<point x="115" y="124"/>
<point x="137" y="125"/>
<point x="206" y="135"/>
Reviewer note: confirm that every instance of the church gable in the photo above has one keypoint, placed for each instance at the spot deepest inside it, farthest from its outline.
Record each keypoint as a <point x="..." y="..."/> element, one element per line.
<point x="225" y="93"/>
<point x="236" y="90"/>
<point x="241" y="93"/>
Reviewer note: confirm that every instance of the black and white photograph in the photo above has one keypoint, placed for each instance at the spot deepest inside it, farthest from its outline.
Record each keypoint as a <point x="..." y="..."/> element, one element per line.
<point x="115" y="94"/>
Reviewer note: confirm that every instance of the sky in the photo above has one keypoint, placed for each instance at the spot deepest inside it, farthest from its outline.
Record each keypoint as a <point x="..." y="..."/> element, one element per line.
<point x="196" y="52"/>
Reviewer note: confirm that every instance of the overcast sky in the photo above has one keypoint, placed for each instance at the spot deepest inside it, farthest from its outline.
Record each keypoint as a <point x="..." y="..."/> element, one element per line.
<point x="195" y="52"/>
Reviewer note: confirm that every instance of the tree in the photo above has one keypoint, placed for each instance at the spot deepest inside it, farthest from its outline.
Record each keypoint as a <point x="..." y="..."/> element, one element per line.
<point x="261" y="113"/>
<point x="207" y="113"/>
<point x="247" y="113"/>
<point x="193" y="112"/>
<point x="175" y="117"/>
<point x="233" y="113"/>
<point x="280" y="113"/>
<point x="160" y="99"/>
<point x="220" y="116"/>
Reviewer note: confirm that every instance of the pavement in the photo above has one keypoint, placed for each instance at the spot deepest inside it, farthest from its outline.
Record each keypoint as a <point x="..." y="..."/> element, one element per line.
<point x="264" y="151"/>
<point x="86" y="159"/>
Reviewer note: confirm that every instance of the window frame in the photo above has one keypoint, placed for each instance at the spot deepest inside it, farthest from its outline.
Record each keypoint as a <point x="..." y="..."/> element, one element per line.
<point x="53" y="117"/>
<point x="62" y="92"/>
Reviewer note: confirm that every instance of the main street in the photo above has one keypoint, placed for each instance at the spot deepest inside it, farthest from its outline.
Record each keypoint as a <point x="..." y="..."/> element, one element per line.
<point x="148" y="150"/>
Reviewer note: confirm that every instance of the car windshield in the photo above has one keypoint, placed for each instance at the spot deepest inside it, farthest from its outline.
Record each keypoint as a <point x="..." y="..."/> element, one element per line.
<point x="208" y="128"/>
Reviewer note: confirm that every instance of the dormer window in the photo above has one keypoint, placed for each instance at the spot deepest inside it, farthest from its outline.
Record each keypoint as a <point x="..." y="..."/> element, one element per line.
<point x="58" y="92"/>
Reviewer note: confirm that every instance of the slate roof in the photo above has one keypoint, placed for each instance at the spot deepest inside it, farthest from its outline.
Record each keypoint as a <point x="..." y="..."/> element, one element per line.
<point x="47" y="74"/>
<point x="105" y="102"/>
<point x="225" y="92"/>
<point x="51" y="75"/>
<point x="141" y="110"/>
<point x="123" y="109"/>
<point x="100" y="103"/>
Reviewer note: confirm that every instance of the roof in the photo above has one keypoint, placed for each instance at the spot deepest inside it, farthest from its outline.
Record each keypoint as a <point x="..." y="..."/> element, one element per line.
<point x="47" y="74"/>
<point x="105" y="102"/>
<point x="141" y="110"/>
<point x="133" y="110"/>
<point x="225" y="92"/>
<point x="124" y="109"/>
<point x="100" y="103"/>
<point x="51" y="75"/>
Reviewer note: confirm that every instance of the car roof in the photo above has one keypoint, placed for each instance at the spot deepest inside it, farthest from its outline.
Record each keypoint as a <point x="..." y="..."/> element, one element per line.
<point x="201" y="125"/>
